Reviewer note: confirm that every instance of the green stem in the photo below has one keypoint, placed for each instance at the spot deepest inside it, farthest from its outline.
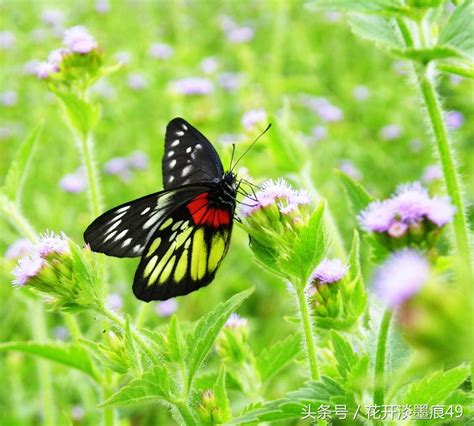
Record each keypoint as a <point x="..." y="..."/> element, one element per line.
<point x="11" y="212"/>
<point x="467" y="72"/>
<point x="308" y="332"/>
<point x="44" y="368"/>
<point x="108" y="413"/>
<point x="187" y="415"/>
<point x="379" y="371"/>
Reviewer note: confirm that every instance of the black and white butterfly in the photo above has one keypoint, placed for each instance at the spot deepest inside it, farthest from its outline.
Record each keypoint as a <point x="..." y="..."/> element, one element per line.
<point x="181" y="233"/>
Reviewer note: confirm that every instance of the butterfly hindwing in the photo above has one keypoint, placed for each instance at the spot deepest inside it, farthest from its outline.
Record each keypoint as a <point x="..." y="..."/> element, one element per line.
<point x="185" y="251"/>
<point x="189" y="157"/>
<point x="125" y="230"/>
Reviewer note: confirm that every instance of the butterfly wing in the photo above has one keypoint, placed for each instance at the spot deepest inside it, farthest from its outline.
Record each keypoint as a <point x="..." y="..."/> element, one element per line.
<point x="124" y="231"/>
<point x="185" y="250"/>
<point x="189" y="157"/>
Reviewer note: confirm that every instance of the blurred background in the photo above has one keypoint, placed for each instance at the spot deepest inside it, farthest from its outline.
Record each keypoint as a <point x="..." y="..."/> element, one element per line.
<point x="334" y="101"/>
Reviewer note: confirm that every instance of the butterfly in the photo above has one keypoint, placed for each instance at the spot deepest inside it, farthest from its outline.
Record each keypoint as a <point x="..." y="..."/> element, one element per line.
<point x="181" y="233"/>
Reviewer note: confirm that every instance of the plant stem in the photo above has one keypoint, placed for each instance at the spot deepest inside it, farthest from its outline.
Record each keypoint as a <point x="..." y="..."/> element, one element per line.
<point x="186" y="414"/>
<point x="108" y="413"/>
<point x="379" y="370"/>
<point x="44" y="368"/>
<point x="308" y="332"/>
<point x="11" y="212"/>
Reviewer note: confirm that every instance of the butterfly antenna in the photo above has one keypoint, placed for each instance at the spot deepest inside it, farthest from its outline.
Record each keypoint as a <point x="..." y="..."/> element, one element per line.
<point x="232" y="156"/>
<point x="251" y="146"/>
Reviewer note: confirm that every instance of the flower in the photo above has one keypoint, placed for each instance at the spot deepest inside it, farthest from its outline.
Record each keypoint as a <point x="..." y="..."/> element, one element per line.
<point x="160" y="51"/>
<point x="440" y="211"/>
<point x="7" y="40"/>
<point x="28" y="267"/>
<point x="410" y="202"/>
<point x="209" y="65"/>
<point x="104" y="89"/>
<point x="123" y="57"/>
<point x="138" y="160"/>
<point x="45" y="69"/>
<point x="18" y="248"/>
<point x="114" y="302"/>
<point x="401" y="277"/>
<point x="324" y="108"/>
<point x="136" y="81"/>
<point x="56" y="56"/>
<point x="432" y="173"/>
<point x="240" y="34"/>
<point x="319" y="132"/>
<point x="78" y="413"/>
<point x="455" y="119"/>
<point x="79" y="40"/>
<point x="50" y="243"/>
<point x="102" y="6"/>
<point x="117" y="166"/>
<point x="53" y="17"/>
<point x="29" y="68"/>
<point x="253" y="117"/>
<point x="235" y="321"/>
<point x="8" y="98"/>
<point x="329" y="271"/>
<point x="166" y="308"/>
<point x="192" y="86"/>
<point x="390" y="132"/>
<point x="350" y="169"/>
<point x="74" y="182"/>
<point x="230" y="81"/>
<point x="377" y="217"/>
<point x="360" y="93"/>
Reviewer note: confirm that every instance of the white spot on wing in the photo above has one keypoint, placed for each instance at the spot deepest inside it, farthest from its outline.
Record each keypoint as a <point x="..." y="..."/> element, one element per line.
<point x="126" y="242"/>
<point x="137" y="248"/>
<point x="114" y="225"/>
<point x="172" y="237"/>
<point x="188" y="150"/>
<point x="186" y="170"/>
<point x="175" y="143"/>
<point x="170" y="179"/>
<point x="198" y="146"/>
<point x="184" y="126"/>
<point x="110" y="236"/>
<point x="121" y="235"/>
<point x="146" y="210"/>
<point x="170" y="154"/>
<point x="123" y="209"/>
<point x="118" y="216"/>
<point x="151" y="221"/>
<point x="180" y="133"/>
<point x="172" y="163"/>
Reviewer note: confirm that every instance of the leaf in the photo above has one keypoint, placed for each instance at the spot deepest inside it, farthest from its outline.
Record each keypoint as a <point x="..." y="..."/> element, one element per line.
<point x="375" y="28"/>
<point x="202" y="338"/>
<point x="358" y="197"/>
<point x="82" y="115"/>
<point x="435" y="388"/>
<point x="18" y="170"/>
<point x="67" y="354"/>
<point x="345" y="356"/>
<point x="458" y="31"/>
<point x="429" y="54"/>
<point x="384" y="7"/>
<point x="266" y="257"/>
<point x="153" y="386"/>
<point x="458" y="67"/>
<point x="273" y="359"/>
<point x="130" y="346"/>
<point x="310" y="247"/>
<point x="220" y="394"/>
<point x="176" y="345"/>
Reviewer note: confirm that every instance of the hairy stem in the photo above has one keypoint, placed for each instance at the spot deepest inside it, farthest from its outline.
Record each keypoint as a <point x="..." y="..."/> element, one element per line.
<point x="108" y="414"/>
<point x="11" y="212"/>
<point x="308" y="332"/>
<point x="189" y="418"/>
<point x="379" y="370"/>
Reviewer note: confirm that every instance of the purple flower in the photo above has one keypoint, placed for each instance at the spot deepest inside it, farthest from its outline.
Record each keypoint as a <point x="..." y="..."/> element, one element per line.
<point x="138" y="160"/>
<point x="377" y="217"/>
<point x="440" y="211"/>
<point x="53" y="17"/>
<point x="253" y="117"/>
<point x="78" y="413"/>
<point x="116" y="166"/>
<point x="324" y="108"/>
<point x="45" y="69"/>
<point x="79" y="40"/>
<point x="329" y="271"/>
<point x="60" y="332"/>
<point x="192" y="86"/>
<point x="209" y="65"/>
<point x="397" y="229"/>
<point x="160" y="51"/>
<point x="390" y="132"/>
<point x="136" y="81"/>
<point x="123" y="57"/>
<point x="114" y="302"/>
<point x="401" y="67"/>
<point x="401" y="277"/>
<point x="74" y="182"/>
<point x="18" y="249"/>
<point x="360" y="93"/>
<point x="415" y="145"/>
<point x="50" y="243"/>
<point x="29" y="68"/>
<point x="432" y="173"/>
<point x="230" y="81"/>
<point x="27" y="268"/>
<point x="104" y="89"/>
<point x="410" y="202"/>
<point x="350" y="169"/>
<point x="8" y="98"/>
<point x="455" y="119"/>
<point x="56" y="56"/>
<point x="166" y="308"/>
<point x="240" y="34"/>
<point x="102" y="6"/>
<point x="455" y="79"/>
<point x="235" y="321"/>
<point x="318" y="133"/>
<point x="7" y="40"/>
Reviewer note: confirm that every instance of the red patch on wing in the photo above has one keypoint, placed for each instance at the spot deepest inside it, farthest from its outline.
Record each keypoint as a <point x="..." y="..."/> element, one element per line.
<point x="202" y="214"/>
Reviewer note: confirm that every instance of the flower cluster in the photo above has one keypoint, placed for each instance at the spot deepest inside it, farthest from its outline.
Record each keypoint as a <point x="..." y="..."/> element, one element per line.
<point x="327" y="111"/>
<point x="123" y="166"/>
<point x="410" y="216"/>
<point x="231" y="344"/>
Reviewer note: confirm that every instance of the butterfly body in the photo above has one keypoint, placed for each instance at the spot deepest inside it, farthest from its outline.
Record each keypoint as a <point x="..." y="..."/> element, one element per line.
<point x="181" y="233"/>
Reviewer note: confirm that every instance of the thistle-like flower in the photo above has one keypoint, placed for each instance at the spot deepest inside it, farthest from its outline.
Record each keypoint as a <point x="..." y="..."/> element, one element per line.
<point x="329" y="271"/>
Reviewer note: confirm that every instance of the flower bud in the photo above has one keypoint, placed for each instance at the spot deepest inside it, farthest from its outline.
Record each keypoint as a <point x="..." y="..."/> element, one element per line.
<point x="208" y="410"/>
<point x="232" y="341"/>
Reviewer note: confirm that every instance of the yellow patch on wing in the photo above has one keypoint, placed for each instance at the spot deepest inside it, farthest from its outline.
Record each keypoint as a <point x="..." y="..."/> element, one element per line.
<point x="198" y="256"/>
<point x="149" y="267"/>
<point x="216" y="252"/>
<point x="166" y="223"/>
<point x="161" y="264"/>
<point x="181" y="267"/>
<point x="182" y="237"/>
<point x="167" y="270"/>
<point x="154" y="246"/>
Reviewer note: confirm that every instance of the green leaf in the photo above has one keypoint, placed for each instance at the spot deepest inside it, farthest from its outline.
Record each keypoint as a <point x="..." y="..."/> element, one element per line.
<point x="345" y="356"/>
<point x="220" y="394"/>
<point x="176" y="344"/>
<point x="18" y="170"/>
<point x="377" y="29"/>
<point x="67" y="354"/>
<point x="458" y="32"/>
<point x="459" y="67"/>
<point x="435" y="388"/>
<point x="383" y="7"/>
<point x="153" y="386"/>
<point x="358" y="197"/>
<point x="310" y="247"/>
<point x="429" y="54"/>
<point x="130" y="346"/>
<point x="273" y="359"/>
<point x="82" y="115"/>
<point x="265" y="257"/>
<point x="201" y="339"/>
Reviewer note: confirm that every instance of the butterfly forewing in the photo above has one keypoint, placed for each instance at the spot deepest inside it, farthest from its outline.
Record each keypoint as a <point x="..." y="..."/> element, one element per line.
<point x="125" y="230"/>
<point x="185" y="251"/>
<point x="189" y="157"/>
